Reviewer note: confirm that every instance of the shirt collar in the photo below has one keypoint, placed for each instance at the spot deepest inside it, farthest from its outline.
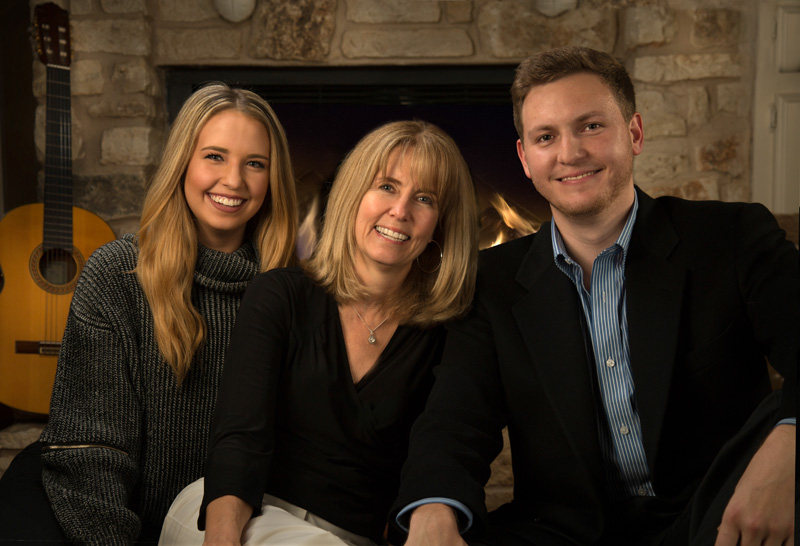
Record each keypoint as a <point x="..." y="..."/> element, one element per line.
<point x="623" y="241"/>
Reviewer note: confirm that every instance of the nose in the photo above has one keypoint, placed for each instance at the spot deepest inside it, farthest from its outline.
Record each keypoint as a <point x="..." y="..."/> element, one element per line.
<point x="571" y="149"/>
<point x="232" y="178"/>
<point x="400" y="207"/>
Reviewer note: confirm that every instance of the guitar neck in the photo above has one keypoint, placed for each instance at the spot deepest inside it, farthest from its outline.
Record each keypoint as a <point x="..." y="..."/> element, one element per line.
<point x="58" y="161"/>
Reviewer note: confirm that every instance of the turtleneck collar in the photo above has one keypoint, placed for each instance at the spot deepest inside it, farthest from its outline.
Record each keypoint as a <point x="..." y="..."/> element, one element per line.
<point x="226" y="272"/>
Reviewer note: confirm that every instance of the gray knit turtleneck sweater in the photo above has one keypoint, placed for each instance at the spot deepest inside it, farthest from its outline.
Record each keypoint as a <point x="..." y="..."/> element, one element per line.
<point x="123" y="438"/>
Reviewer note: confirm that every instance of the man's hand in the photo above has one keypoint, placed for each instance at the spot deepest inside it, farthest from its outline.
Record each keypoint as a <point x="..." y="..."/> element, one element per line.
<point x="434" y="525"/>
<point x="761" y="510"/>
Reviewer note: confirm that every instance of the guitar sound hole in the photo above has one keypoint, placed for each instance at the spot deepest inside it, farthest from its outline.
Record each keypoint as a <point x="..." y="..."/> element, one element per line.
<point x="57" y="266"/>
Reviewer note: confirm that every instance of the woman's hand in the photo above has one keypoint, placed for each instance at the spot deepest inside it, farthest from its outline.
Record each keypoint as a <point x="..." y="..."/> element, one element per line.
<point x="225" y="520"/>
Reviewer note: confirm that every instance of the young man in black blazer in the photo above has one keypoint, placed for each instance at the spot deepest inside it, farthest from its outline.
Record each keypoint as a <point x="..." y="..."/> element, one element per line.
<point x="624" y="345"/>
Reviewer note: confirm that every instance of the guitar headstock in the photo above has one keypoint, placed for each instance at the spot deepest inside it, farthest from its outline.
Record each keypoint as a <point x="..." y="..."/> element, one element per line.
<point x="51" y="28"/>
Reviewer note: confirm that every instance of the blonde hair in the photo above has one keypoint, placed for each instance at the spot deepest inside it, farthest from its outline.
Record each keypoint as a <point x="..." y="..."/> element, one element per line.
<point x="430" y="294"/>
<point x="167" y="238"/>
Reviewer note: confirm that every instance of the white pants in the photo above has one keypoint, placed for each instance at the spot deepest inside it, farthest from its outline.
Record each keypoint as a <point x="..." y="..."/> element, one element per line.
<point x="280" y="523"/>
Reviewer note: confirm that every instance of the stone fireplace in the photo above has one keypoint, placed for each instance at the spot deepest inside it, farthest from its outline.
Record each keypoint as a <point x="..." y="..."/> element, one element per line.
<point x="691" y="62"/>
<point x="325" y="111"/>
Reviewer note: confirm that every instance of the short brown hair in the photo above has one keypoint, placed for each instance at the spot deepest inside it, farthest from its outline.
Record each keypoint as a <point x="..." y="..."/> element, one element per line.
<point x="554" y="64"/>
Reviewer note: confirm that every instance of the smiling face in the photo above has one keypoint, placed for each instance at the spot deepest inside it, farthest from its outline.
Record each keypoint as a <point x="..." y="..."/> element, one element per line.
<point x="227" y="178"/>
<point x="578" y="149"/>
<point x="395" y="219"/>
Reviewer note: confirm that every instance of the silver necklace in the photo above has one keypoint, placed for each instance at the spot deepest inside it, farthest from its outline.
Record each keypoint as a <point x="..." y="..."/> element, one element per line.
<point x="372" y="339"/>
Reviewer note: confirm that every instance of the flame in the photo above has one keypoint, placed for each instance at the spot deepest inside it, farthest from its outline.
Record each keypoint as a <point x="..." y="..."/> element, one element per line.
<point x="499" y="240"/>
<point x="307" y="235"/>
<point x="516" y="224"/>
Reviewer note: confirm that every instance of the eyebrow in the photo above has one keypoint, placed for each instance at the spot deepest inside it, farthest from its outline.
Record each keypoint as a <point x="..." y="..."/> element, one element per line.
<point x="583" y="117"/>
<point x="593" y="114"/>
<point x="225" y="151"/>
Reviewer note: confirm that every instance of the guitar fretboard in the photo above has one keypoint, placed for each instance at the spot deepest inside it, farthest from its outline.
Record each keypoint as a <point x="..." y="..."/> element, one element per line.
<point x="58" y="161"/>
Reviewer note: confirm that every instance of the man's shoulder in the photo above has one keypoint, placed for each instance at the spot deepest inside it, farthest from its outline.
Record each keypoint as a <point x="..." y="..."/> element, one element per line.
<point x="687" y="209"/>
<point x="511" y="252"/>
<point x="505" y="268"/>
<point x="707" y="231"/>
<point x="708" y="216"/>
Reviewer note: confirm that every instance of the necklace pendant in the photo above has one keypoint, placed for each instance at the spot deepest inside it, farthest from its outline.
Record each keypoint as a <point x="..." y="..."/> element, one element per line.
<point x="372" y="339"/>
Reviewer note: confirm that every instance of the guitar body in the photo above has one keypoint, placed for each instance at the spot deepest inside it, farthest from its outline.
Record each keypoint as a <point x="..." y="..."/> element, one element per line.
<point x="35" y="299"/>
<point x="43" y="247"/>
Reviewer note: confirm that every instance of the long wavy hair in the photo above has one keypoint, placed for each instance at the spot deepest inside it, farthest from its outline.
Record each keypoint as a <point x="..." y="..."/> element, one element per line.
<point x="430" y="294"/>
<point x="167" y="238"/>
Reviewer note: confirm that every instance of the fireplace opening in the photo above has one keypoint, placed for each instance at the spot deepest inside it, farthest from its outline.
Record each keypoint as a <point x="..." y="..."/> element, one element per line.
<point x="326" y="110"/>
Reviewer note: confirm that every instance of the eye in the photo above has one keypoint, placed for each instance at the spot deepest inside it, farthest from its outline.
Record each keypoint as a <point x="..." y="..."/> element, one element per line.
<point x="426" y="199"/>
<point x="213" y="156"/>
<point x="545" y="138"/>
<point x="385" y="186"/>
<point x="257" y="163"/>
<point x="593" y="126"/>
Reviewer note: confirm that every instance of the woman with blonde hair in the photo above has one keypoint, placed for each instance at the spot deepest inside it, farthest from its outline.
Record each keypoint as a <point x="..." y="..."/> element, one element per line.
<point x="168" y="235"/>
<point x="152" y="315"/>
<point x="330" y="364"/>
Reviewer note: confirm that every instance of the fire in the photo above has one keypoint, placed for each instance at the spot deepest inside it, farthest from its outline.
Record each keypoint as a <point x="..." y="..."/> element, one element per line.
<point x="307" y="235"/>
<point x="507" y="224"/>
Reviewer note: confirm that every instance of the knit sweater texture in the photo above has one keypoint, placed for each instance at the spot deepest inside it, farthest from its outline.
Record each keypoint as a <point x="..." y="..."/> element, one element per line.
<point x="123" y="438"/>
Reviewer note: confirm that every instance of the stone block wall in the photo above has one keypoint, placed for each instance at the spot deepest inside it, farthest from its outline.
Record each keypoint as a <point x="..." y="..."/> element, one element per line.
<point x="691" y="60"/>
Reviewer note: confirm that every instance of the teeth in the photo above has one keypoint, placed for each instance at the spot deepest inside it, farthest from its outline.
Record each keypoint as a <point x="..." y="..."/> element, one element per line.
<point x="225" y="200"/>
<point x="386" y="232"/>
<point x="584" y="175"/>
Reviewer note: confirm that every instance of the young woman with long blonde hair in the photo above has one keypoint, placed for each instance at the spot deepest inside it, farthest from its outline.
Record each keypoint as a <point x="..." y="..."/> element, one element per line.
<point x="152" y="315"/>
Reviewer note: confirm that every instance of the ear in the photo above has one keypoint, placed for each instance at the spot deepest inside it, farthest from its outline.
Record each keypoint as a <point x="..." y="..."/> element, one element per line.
<point x="521" y="156"/>
<point x="636" y="129"/>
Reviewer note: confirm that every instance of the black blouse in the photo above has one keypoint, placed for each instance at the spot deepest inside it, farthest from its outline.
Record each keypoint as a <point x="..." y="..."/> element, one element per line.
<point x="289" y="420"/>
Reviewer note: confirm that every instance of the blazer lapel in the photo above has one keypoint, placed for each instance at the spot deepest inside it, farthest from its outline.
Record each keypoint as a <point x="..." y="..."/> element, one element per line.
<point x="654" y="291"/>
<point x="548" y="316"/>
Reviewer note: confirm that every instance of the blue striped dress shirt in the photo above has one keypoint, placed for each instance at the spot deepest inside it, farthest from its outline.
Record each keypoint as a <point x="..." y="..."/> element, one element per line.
<point x="607" y="320"/>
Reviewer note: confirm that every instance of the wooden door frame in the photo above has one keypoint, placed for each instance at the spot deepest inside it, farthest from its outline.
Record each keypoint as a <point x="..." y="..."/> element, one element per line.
<point x="774" y="93"/>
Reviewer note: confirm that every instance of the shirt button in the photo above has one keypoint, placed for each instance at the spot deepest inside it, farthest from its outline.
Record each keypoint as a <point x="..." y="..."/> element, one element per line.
<point x="642" y="492"/>
<point x="624" y="430"/>
<point x="610" y="363"/>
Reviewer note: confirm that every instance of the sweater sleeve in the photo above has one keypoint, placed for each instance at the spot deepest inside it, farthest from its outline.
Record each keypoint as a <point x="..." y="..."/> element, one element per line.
<point x="93" y="436"/>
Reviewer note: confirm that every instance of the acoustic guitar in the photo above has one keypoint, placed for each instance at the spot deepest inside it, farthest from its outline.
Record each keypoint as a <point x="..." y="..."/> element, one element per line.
<point x="43" y="246"/>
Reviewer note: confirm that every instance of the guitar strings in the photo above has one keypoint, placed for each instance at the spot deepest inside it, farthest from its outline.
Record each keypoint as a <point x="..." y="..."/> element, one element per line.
<point x="58" y="248"/>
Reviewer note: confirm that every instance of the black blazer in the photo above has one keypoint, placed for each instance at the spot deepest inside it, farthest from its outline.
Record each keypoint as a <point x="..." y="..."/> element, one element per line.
<point x="712" y="289"/>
